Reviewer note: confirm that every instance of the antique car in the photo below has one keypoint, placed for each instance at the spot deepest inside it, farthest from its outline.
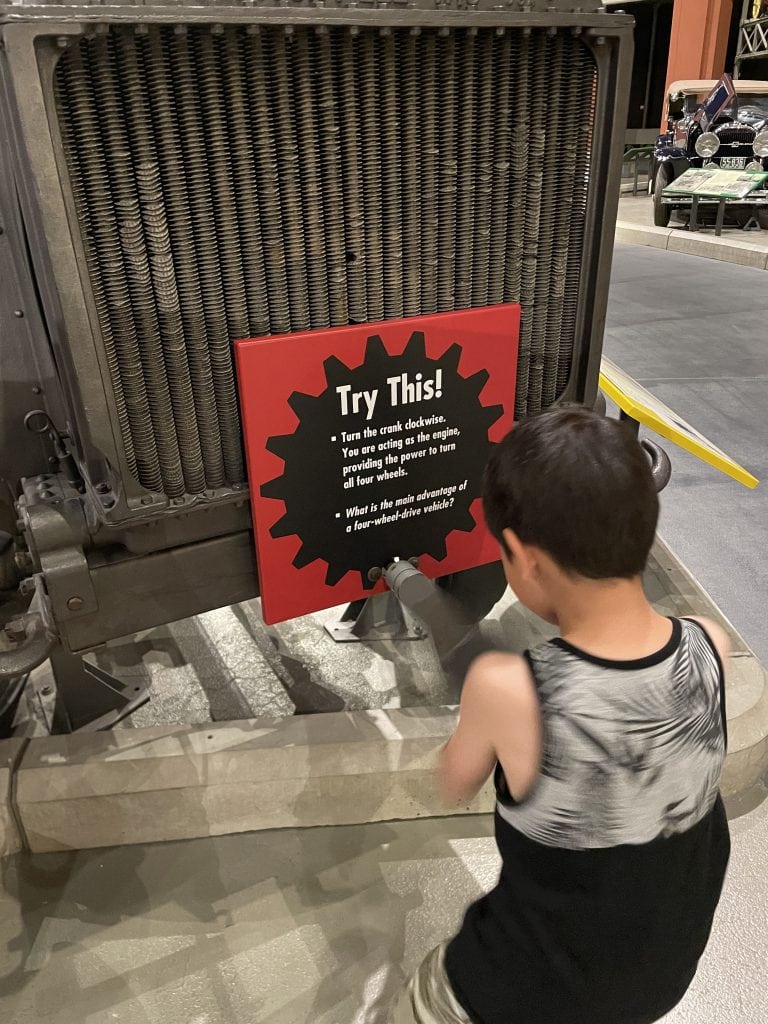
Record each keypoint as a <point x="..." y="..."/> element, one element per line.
<point x="734" y="137"/>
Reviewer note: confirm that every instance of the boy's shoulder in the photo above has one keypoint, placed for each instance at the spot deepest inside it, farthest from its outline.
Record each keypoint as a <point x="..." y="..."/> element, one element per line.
<point x="717" y="634"/>
<point x="500" y="680"/>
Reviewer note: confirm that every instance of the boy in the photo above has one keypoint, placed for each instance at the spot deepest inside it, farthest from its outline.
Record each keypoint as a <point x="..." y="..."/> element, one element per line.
<point x="607" y="745"/>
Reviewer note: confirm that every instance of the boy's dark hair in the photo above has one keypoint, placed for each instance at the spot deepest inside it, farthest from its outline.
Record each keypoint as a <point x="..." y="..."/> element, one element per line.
<point x="578" y="486"/>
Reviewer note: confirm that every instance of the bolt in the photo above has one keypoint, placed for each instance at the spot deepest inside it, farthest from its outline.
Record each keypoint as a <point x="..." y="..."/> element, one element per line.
<point x="600" y="41"/>
<point x="75" y="603"/>
<point x="418" y="630"/>
<point x="62" y="42"/>
<point x="15" y="630"/>
<point x="36" y="389"/>
<point x="375" y="574"/>
<point x="19" y="314"/>
<point x="102" y="487"/>
<point x="146" y="500"/>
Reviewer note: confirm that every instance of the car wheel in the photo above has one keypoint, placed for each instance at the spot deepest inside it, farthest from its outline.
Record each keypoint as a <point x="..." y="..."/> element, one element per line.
<point x="662" y="211"/>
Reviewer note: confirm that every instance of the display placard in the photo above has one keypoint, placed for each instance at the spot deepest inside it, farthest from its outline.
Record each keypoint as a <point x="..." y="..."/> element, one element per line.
<point x="367" y="443"/>
<point x="716" y="182"/>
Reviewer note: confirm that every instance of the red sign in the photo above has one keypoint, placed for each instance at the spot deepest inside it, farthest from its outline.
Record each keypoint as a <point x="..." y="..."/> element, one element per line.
<point x="367" y="443"/>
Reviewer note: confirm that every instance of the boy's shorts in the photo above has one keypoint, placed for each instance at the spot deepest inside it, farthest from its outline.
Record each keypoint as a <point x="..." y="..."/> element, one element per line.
<point x="428" y="997"/>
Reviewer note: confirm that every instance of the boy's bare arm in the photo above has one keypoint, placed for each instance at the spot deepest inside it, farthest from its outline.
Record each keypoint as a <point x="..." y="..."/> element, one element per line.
<point x="498" y="721"/>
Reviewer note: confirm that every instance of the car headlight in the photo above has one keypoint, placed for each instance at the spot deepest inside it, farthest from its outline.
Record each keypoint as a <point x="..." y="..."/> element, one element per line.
<point x="707" y="144"/>
<point x="760" y="145"/>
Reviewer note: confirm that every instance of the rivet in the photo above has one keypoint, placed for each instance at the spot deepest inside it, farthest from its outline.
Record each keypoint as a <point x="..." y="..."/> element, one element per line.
<point x="36" y="389"/>
<point x="75" y="603"/>
<point x="19" y="313"/>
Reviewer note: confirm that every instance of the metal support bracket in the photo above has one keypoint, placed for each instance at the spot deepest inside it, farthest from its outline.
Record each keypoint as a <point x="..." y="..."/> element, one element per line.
<point x="382" y="617"/>
<point x="54" y="521"/>
<point x="85" y="698"/>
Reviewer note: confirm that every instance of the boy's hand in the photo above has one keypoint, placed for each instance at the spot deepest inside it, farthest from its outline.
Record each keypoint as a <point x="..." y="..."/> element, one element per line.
<point x="499" y="720"/>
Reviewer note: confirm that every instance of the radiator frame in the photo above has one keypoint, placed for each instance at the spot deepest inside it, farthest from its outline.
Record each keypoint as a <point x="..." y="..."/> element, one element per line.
<point x="64" y="322"/>
<point x="59" y="258"/>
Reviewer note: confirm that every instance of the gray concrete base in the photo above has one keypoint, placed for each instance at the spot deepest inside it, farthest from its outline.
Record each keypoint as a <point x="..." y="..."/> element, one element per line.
<point x="635" y="224"/>
<point x="146" y="785"/>
<point x="181" y="782"/>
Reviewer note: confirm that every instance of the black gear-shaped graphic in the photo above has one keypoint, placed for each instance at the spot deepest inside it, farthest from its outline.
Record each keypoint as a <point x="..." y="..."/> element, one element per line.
<point x="311" y="485"/>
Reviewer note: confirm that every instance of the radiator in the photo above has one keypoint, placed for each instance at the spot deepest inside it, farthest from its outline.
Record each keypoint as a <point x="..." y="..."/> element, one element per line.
<point x="242" y="180"/>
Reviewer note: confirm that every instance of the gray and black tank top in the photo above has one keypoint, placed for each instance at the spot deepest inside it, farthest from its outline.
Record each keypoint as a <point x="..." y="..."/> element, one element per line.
<point x="613" y="864"/>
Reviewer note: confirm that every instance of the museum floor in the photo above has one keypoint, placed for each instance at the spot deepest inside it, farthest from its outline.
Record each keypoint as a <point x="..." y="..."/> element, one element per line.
<point x="317" y="926"/>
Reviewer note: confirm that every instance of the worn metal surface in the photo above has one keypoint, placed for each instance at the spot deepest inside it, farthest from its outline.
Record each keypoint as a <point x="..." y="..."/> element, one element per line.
<point x="268" y="122"/>
<point x="123" y="105"/>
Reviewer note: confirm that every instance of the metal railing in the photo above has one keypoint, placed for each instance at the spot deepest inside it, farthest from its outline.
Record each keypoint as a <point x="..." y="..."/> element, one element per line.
<point x="753" y="33"/>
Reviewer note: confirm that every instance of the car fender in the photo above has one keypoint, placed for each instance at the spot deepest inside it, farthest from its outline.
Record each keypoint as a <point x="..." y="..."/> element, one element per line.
<point x="679" y="162"/>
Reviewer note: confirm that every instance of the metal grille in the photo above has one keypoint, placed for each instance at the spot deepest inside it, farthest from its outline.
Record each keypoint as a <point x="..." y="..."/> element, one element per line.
<point x="729" y="134"/>
<point x="237" y="181"/>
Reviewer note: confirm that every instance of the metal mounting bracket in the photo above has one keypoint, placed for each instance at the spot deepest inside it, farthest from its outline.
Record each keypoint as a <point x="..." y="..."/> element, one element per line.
<point x="381" y="617"/>
<point x="85" y="698"/>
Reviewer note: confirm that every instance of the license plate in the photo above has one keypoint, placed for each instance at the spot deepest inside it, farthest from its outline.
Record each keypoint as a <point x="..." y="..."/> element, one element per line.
<point x="735" y="163"/>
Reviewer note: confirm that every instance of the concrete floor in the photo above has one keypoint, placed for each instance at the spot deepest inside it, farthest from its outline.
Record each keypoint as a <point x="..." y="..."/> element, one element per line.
<point x="693" y="331"/>
<point x="315" y="926"/>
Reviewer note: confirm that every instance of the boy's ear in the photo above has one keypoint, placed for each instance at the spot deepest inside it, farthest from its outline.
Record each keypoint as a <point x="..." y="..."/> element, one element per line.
<point x="517" y="552"/>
